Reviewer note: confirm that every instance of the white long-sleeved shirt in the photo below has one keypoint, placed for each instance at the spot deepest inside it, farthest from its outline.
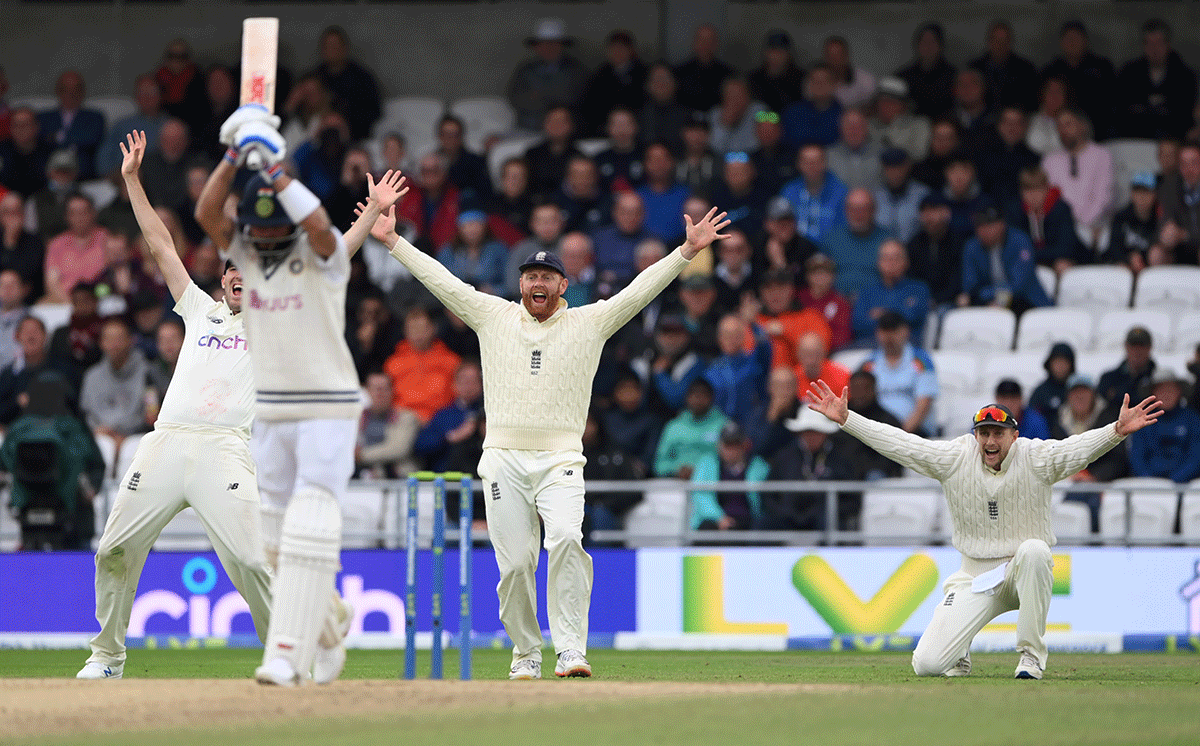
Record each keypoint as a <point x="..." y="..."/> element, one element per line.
<point x="537" y="376"/>
<point x="992" y="511"/>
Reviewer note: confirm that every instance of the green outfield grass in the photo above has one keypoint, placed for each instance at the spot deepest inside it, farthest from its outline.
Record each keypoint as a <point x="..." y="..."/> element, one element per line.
<point x="1084" y="699"/>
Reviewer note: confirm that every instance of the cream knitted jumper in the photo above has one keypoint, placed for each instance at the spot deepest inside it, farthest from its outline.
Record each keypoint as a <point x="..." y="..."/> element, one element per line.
<point x="537" y="376"/>
<point x="992" y="511"/>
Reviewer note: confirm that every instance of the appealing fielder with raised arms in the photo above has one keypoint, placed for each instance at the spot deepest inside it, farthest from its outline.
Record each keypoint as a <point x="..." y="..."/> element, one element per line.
<point x="539" y="358"/>
<point x="997" y="488"/>
<point x="295" y="266"/>
<point x="197" y="455"/>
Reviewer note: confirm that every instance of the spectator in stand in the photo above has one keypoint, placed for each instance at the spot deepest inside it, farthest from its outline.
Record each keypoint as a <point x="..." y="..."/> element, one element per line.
<point x="614" y="244"/>
<point x="350" y="190"/>
<point x="306" y="103"/>
<point x="735" y="510"/>
<point x="552" y="79"/>
<point x="512" y="203"/>
<point x="893" y="125"/>
<point x="49" y="204"/>
<point x="944" y="143"/>
<point x="1134" y="372"/>
<point x="434" y="205"/>
<point x="547" y="224"/>
<point x="1155" y="93"/>
<point x="781" y="247"/>
<point x="1043" y="126"/>
<point x="972" y="111"/>
<point x="164" y="170"/>
<point x="1050" y="395"/>
<point x="148" y="118"/>
<point x="221" y="92"/>
<point x="454" y="422"/>
<point x="76" y="255"/>
<point x="699" y="79"/>
<point x="24" y="154"/>
<point x="813" y="363"/>
<point x="1089" y="76"/>
<point x="855" y="245"/>
<point x="1011" y="79"/>
<point x="1083" y="171"/>
<point x="774" y="160"/>
<point x="579" y="263"/>
<point x="605" y="461"/>
<point x="620" y="82"/>
<point x="474" y="256"/>
<point x="20" y="250"/>
<point x="1171" y="450"/>
<point x="855" y="158"/>
<point x="1081" y="411"/>
<point x="466" y="170"/>
<point x="898" y="198"/>
<point x="853" y="86"/>
<point x="182" y="84"/>
<point x="12" y="311"/>
<point x="999" y="268"/>
<point x="820" y="295"/>
<point x="935" y="253"/>
<point x="864" y="399"/>
<point x="767" y="430"/>
<point x="319" y="161"/>
<point x="621" y="164"/>
<point x="1033" y="425"/>
<point x="373" y="334"/>
<point x="670" y="366"/>
<point x="783" y="323"/>
<point x="962" y="191"/>
<point x="698" y="297"/>
<point x="731" y="123"/>
<point x="384" y="449"/>
<point x="904" y="374"/>
<point x="818" y="197"/>
<point x="662" y="197"/>
<point x="814" y="118"/>
<point x="1046" y="218"/>
<point x="354" y="88"/>
<point x="113" y="393"/>
<point x="739" y="194"/>
<point x="1004" y="155"/>
<point x="814" y="453"/>
<point x="548" y="160"/>
<point x="895" y="291"/>
<point x="422" y="367"/>
<point x="1166" y="152"/>
<point x="72" y="126"/>
<point x="393" y="151"/>
<point x="76" y="347"/>
<point x="734" y="273"/>
<point x="696" y="207"/>
<point x="778" y="81"/>
<point x="31" y="361"/>
<point x="1133" y="235"/>
<point x="630" y="423"/>
<point x="698" y="167"/>
<point x="929" y="76"/>
<point x="661" y="118"/>
<point x="690" y="435"/>
<point x="1180" y="234"/>
<point x="123" y="275"/>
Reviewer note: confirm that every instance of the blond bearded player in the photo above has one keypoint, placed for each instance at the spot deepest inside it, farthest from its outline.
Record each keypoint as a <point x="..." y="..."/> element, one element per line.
<point x="997" y="488"/>
<point x="197" y="455"/>
<point x="539" y="358"/>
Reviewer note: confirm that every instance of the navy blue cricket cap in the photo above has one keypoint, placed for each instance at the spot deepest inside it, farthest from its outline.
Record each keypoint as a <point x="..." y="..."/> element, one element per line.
<point x="544" y="259"/>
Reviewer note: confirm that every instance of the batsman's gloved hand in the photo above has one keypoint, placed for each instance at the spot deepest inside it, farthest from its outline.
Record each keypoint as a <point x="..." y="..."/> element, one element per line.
<point x="259" y="145"/>
<point x="243" y="114"/>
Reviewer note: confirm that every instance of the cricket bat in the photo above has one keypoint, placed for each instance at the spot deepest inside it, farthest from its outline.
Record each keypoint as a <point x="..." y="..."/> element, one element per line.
<point x="260" y="54"/>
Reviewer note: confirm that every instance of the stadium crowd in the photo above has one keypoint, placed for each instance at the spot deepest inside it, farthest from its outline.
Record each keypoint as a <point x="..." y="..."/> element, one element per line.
<point x="866" y="205"/>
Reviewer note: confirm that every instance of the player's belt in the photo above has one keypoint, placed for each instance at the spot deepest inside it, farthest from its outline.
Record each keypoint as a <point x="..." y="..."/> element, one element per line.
<point x="316" y="396"/>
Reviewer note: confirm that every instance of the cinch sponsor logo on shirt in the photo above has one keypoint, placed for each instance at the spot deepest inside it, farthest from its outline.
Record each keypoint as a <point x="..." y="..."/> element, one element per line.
<point x="285" y="303"/>
<point x="236" y="342"/>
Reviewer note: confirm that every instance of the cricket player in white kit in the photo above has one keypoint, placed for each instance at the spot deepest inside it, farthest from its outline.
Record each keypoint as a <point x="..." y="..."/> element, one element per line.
<point x="997" y="488"/>
<point x="198" y="454"/>
<point x="295" y="266"/>
<point x="539" y="358"/>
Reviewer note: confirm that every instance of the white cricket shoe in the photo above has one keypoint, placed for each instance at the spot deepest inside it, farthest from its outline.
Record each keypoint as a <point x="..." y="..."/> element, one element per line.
<point x="98" y="670"/>
<point x="277" y="672"/>
<point x="329" y="662"/>
<point x="571" y="663"/>
<point x="525" y="669"/>
<point x="1028" y="668"/>
<point x="962" y="668"/>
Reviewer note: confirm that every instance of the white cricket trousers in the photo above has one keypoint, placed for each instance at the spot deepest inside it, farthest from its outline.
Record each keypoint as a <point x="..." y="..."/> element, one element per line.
<point x="173" y="468"/>
<point x="518" y="487"/>
<point x="1028" y="583"/>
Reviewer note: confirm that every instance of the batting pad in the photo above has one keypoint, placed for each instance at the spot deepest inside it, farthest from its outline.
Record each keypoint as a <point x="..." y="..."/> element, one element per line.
<point x="308" y="561"/>
<point x="272" y="526"/>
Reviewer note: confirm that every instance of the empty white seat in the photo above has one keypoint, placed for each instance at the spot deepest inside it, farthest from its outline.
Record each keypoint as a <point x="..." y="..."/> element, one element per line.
<point x="108" y="449"/>
<point x="1039" y="328"/>
<point x="10" y="530"/>
<point x="851" y="360"/>
<point x="1097" y="363"/>
<point x="415" y="117"/>
<point x="362" y="517"/>
<point x="957" y="371"/>
<point x="37" y="103"/>
<point x="185" y="533"/>
<point x="1153" y="501"/>
<point x="102" y="192"/>
<point x="1096" y="287"/>
<point x="507" y="149"/>
<point x="1169" y="288"/>
<point x="1112" y="326"/>
<point x="53" y="315"/>
<point x="593" y="146"/>
<point x="891" y="515"/>
<point x="1049" y="280"/>
<point x="1070" y="520"/>
<point x="1026" y="367"/>
<point x="661" y="518"/>
<point x="1189" y="512"/>
<point x="125" y="456"/>
<point x="112" y="107"/>
<point x="482" y="117"/>
<point x="1128" y="157"/>
<point x="978" y="329"/>
<point x="1186" y="332"/>
<point x="953" y="412"/>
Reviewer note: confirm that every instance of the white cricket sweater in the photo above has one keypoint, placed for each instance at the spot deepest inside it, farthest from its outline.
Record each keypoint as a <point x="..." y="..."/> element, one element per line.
<point x="992" y="511"/>
<point x="537" y="376"/>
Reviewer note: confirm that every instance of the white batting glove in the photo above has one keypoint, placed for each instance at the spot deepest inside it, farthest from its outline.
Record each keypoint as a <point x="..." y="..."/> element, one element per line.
<point x="243" y="114"/>
<point x="259" y="145"/>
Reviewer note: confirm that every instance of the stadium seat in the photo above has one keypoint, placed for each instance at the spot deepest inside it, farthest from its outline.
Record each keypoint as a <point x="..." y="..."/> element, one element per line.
<point x="1026" y="367"/>
<point x="1168" y="288"/>
<point x="957" y="371"/>
<point x="37" y="103"/>
<point x="108" y="449"/>
<point x="592" y="146"/>
<point x="1189" y="512"/>
<point x="1049" y="279"/>
<point x="125" y="456"/>
<point x="185" y="533"/>
<point x="661" y="518"/>
<point x="101" y="191"/>
<point x="1041" y="327"/>
<point x="362" y="517"/>
<point x="415" y="117"/>
<point x="10" y="530"/>
<point x="112" y="305"/>
<point x="954" y="412"/>
<point x="978" y="329"/>
<point x="113" y="108"/>
<point x="483" y="116"/>
<point x="53" y="315"/>
<point x="851" y="360"/>
<point x="1097" y="363"/>
<point x="1153" y="509"/>
<point x="909" y="509"/>
<point x="1128" y="157"/>
<point x="1113" y="325"/>
<point x="512" y="147"/>
<point x="1096" y="288"/>
<point x="1070" y="520"/>
<point x="1186" y="333"/>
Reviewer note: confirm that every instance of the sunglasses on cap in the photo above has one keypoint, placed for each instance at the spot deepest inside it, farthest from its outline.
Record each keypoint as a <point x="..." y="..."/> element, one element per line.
<point x="992" y="415"/>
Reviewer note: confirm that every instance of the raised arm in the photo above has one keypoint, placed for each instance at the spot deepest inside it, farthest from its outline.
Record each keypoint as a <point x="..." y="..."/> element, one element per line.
<point x="387" y="192"/>
<point x="1059" y="459"/>
<point x="158" y="238"/>
<point x="210" y="208"/>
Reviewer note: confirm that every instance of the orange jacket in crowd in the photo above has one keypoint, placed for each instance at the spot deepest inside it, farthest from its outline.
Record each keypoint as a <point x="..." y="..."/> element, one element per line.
<point x="795" y="325"/>
<point x="422" y="380"/>
<point x="832" y="373"/>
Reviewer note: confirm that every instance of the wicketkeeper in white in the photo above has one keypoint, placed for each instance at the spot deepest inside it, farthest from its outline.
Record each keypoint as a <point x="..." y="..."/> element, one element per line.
<point x="198" y="454"/>
<point x="295" y="266"/>
<point x="539" y="358"/>
<point x="997" y="488"/>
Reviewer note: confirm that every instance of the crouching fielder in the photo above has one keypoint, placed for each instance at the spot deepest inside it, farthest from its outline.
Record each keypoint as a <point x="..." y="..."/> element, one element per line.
<point x="197" y="455"/>
<point x="997" y="488"/>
